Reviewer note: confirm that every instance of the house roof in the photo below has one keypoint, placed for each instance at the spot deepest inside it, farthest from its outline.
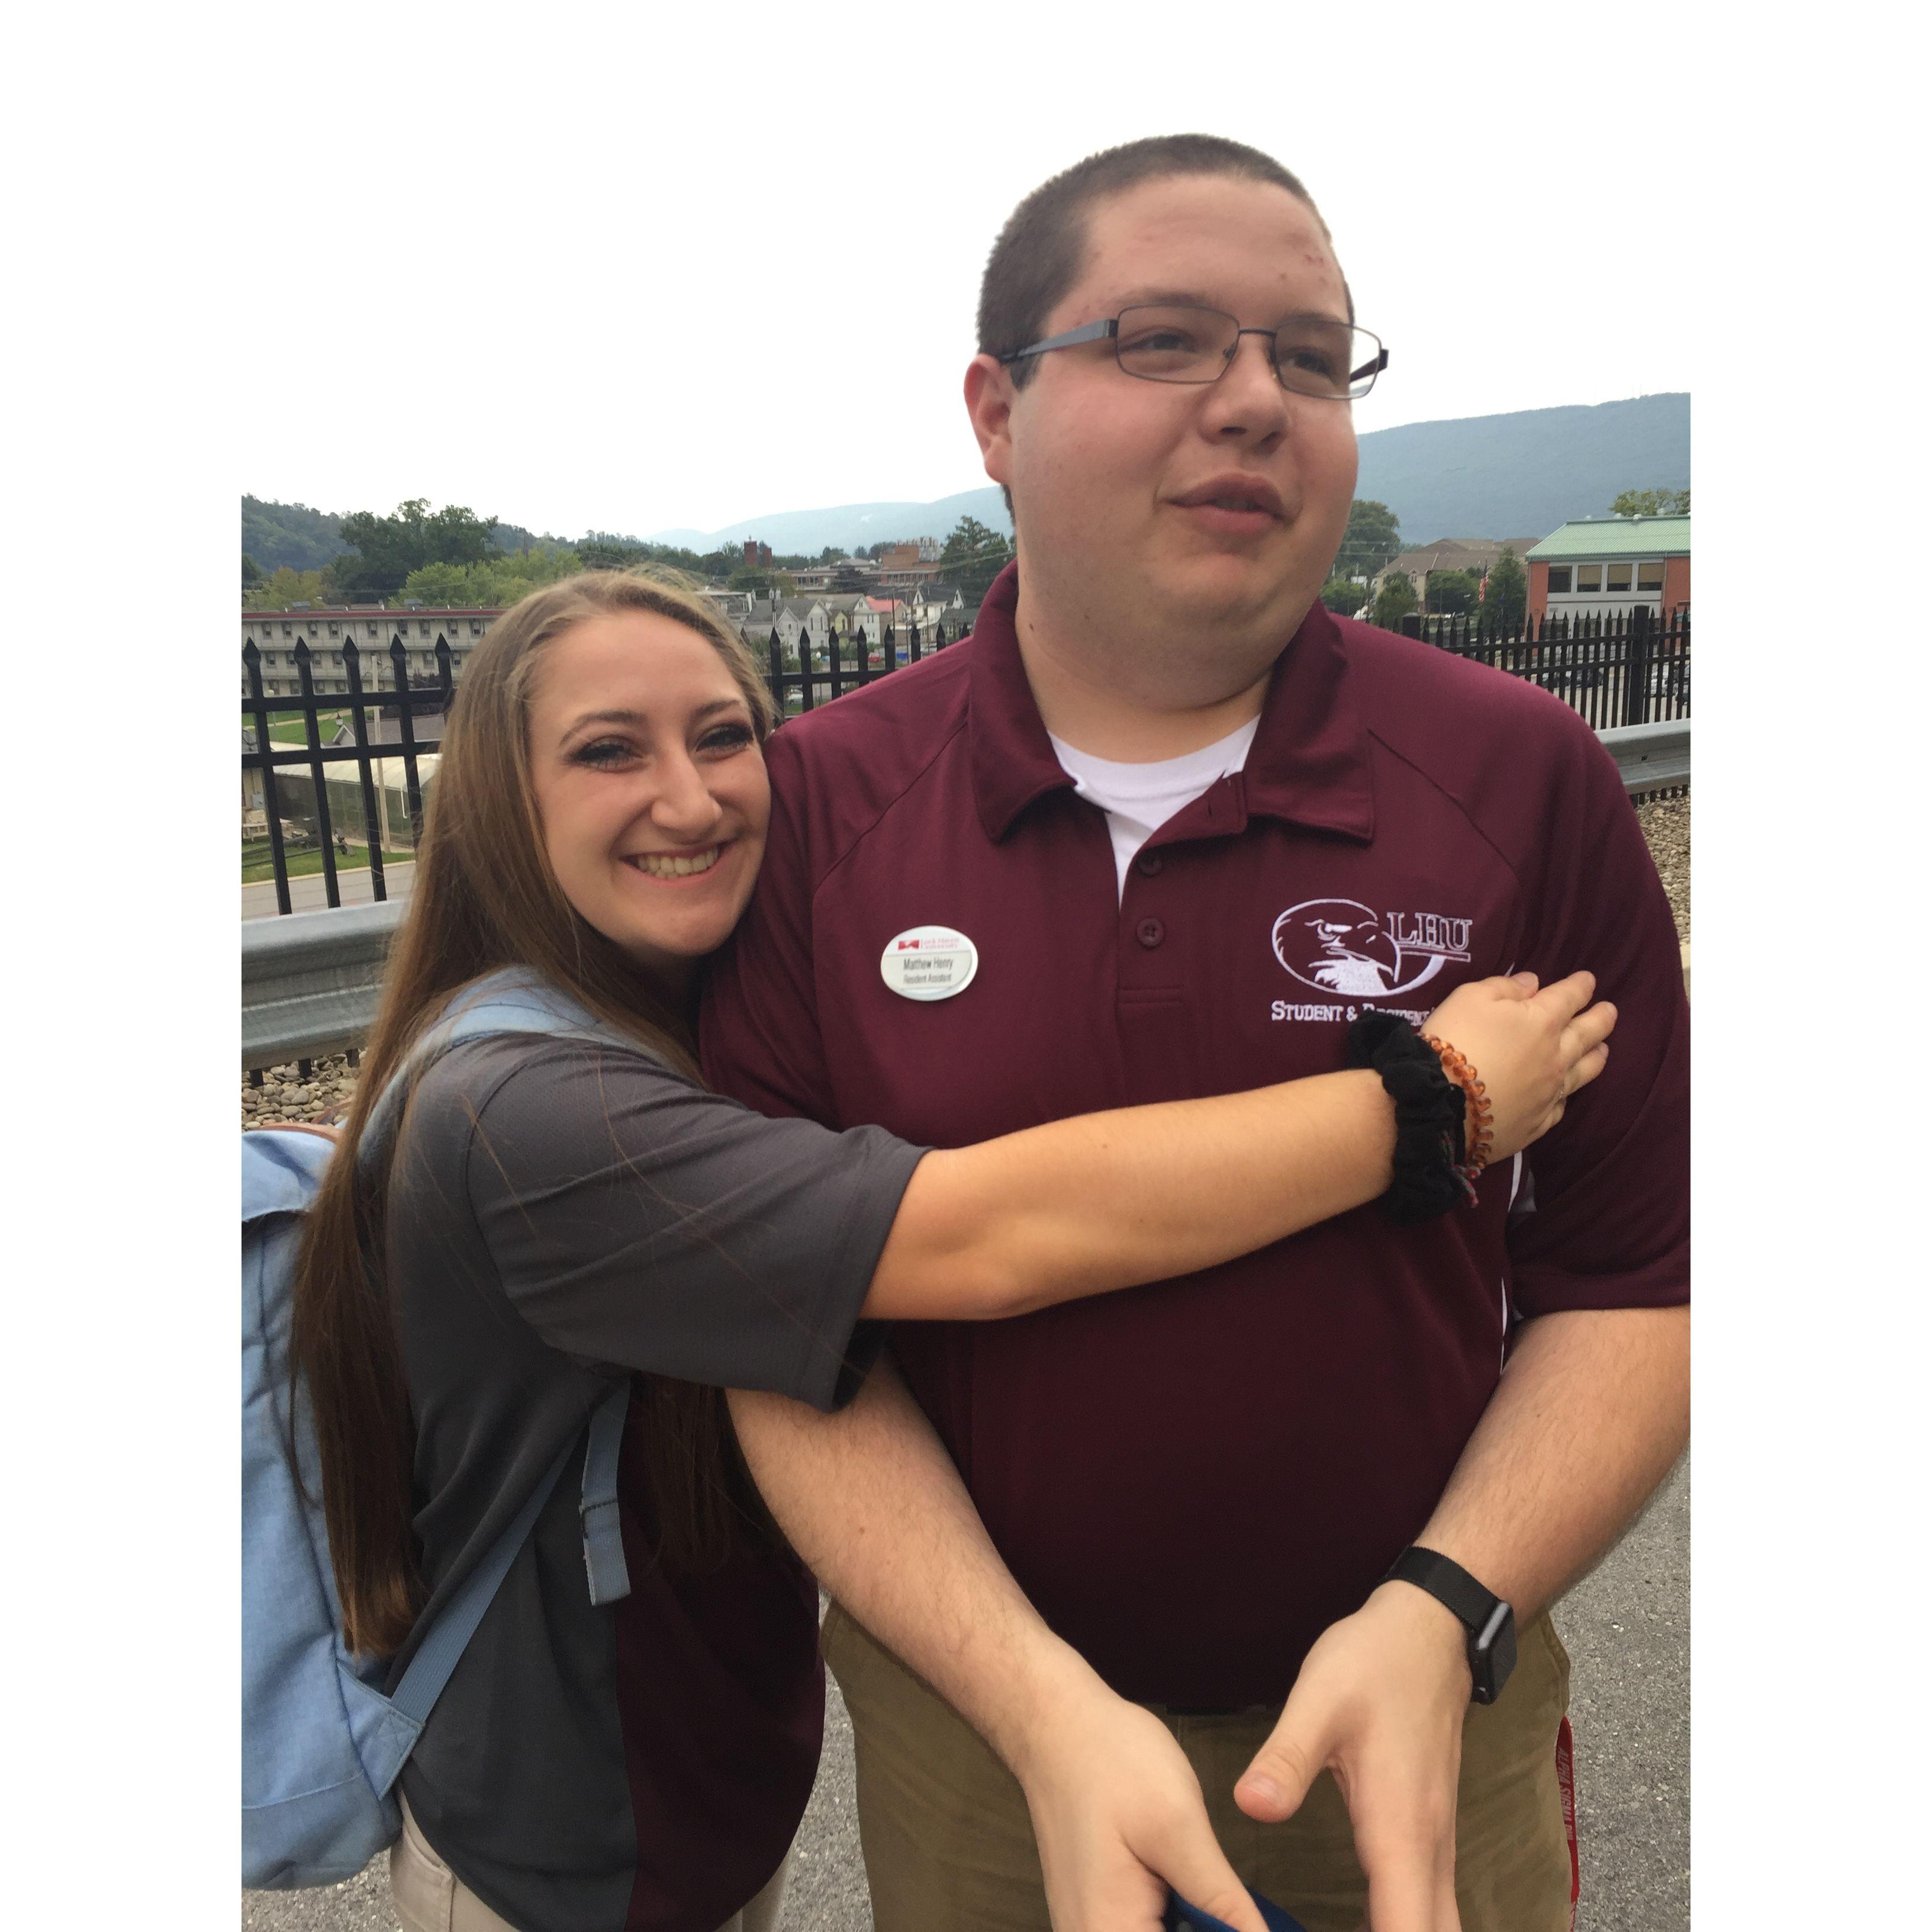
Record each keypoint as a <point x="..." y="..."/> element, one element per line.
<point x="1457" y="552"/>
<point x="1585" y="539"/>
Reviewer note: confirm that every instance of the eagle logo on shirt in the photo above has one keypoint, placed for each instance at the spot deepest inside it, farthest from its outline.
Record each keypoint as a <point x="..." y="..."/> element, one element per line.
<point x="1341" y="946"/>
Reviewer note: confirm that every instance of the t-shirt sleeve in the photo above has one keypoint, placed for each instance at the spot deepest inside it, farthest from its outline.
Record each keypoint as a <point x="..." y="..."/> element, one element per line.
<point x="638" y="1219"/>
<point x="1610" y="1183"/>
<point x="758" y="1028"/>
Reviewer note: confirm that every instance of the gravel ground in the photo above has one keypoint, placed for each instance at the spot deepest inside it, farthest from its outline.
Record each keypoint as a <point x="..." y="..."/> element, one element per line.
<point x="1666" y="829"/>
<point x="1628" y="1627"/>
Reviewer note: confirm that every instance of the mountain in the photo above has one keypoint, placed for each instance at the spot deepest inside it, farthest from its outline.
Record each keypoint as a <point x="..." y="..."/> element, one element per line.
<point x="1468" y="476"/>
<point x="1529" y="471"/>
<point x="275" y="534"/>
<point x="806" y="533"/>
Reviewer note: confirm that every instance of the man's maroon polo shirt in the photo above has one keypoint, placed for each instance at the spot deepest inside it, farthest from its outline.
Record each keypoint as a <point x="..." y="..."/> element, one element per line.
<point x="1192" y="1480"/>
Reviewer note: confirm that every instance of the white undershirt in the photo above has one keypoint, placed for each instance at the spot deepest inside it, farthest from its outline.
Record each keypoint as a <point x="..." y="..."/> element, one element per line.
<point x="1139" y="799"/>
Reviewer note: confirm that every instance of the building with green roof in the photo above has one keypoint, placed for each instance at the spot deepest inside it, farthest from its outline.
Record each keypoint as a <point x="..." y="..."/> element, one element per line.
<point x="1608" y="566"/>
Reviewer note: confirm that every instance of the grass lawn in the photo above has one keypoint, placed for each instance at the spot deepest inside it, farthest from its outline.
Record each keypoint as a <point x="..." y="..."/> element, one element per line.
<point x="286" y="727"/>
<point x="257" y="864"/>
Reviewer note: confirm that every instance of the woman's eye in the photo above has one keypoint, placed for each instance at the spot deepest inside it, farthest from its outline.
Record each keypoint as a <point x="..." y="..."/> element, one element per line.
<point x="726" y="738"/>
<point x="601" y="752"/>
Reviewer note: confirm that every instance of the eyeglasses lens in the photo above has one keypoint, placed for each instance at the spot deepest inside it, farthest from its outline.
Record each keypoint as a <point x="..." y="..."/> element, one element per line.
<point x="1174" y="345"/>
<point x="1167" y="343"/>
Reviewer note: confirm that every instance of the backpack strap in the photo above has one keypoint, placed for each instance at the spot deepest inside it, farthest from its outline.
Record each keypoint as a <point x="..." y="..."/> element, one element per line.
<point x="603" y="1544"/>
<point x="436" y="1659"/>
<point x="430" y="1669"/>
<point x="513" y="1000"/>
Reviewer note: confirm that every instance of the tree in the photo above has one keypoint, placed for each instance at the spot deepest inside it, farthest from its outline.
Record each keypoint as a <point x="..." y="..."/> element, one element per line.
<point x="1652" y="503"/>
<point x="972" y="556"/>
<point x="251" y="571"/>
<point x="1394" y="600"/>
<point x="1449" y="593"/>
<point x="387" y="549"/>
<point x="1343" y="597"/>
<point x="763" y="581"/>
<point x="1372" y="540"/>
<point x="602" y="554"/>
<point x="284" y="587"/>
<point x="1505" y="593"/>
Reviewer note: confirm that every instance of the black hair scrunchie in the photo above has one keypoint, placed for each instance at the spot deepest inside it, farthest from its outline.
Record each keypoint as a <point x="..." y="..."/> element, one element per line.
<point x="1430" y="1114"/>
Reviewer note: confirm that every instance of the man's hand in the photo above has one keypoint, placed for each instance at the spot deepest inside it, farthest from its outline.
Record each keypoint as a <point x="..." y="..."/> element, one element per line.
<point x="1380" y="1702"/>
<point x="1119" y="1816"/>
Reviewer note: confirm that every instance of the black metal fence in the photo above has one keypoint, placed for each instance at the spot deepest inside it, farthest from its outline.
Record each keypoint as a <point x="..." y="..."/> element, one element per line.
<point x="300" y="807"/>
<point x="1631" y="669"/>
<point x="332" y="807"/>
<point x="321" y="807"/>
<point x="796" y="687"/>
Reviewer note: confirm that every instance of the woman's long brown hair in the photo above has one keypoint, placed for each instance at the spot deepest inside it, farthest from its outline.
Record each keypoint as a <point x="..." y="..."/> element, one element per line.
<point x="484" y="898"/>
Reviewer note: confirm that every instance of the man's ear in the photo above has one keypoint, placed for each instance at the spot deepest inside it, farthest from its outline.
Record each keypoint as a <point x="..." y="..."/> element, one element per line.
<point x="989" y="403"/>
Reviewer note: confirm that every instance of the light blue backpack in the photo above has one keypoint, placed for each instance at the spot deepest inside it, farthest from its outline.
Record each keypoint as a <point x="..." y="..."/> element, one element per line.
<point x="322" y="1747"/>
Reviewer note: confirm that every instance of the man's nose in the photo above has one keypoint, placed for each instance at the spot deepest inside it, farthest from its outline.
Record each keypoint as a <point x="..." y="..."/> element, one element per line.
<point x="1247" y="400"/>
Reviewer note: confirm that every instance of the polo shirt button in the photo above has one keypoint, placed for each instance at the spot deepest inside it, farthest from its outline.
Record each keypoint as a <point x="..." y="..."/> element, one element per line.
<point x="1150" y="932"/>
<point x="1148" y="864"/>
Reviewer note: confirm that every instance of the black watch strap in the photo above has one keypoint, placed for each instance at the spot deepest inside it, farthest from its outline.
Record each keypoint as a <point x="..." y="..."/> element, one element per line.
<point x="1489" y="1621"/>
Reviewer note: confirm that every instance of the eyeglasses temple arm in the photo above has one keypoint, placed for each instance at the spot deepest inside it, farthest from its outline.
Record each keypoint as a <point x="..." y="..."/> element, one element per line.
<point x="1092" y="331"/>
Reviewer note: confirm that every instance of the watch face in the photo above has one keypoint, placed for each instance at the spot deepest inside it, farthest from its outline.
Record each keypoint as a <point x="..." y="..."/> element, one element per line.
<point x="1493" y="1655"/>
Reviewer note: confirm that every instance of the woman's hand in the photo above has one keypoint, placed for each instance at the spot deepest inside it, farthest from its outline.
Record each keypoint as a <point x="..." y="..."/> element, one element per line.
<point x="1530" y="1049"/>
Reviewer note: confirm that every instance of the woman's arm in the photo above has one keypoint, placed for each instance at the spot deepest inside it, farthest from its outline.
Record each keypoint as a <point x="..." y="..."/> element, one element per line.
<point x="1140" y="1194"/>
<point x="870" y="1500"/>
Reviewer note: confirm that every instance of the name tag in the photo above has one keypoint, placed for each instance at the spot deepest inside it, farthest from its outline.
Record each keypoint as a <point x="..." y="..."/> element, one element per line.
<point x="928" y="962"/>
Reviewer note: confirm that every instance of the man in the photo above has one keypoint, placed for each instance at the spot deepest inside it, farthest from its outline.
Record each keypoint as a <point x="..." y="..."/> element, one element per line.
<point x="1178" y="824"/>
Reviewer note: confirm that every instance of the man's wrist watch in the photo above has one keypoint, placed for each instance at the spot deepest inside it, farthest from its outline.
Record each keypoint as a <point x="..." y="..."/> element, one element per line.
<point x="1489" y="1622"/>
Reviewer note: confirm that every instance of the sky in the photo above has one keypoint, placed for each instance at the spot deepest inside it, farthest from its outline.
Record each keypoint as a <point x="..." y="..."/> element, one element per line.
<point x="620" y="276"/>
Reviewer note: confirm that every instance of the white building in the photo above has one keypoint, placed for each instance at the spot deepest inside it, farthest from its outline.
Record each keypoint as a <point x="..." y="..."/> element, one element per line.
<point x="370" y="628"/>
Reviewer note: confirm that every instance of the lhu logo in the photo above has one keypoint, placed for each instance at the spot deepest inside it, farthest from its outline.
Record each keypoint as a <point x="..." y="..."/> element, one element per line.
<point x="1339" y="946"/>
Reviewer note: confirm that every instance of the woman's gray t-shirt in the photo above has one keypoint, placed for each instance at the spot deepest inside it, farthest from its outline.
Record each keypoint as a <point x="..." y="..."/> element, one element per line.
<point x="560" y="1214"/>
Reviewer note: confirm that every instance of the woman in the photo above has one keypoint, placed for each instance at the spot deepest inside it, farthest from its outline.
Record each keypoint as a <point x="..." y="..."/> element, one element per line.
<point x="554" y="1219"/>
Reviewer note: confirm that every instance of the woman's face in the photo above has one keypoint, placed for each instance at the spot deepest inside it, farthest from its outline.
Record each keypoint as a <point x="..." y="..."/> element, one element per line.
<point x="650" y="785"/>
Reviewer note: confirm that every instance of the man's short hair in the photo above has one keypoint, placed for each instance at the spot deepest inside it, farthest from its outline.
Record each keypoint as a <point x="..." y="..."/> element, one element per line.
<point x="1037" y="258"/>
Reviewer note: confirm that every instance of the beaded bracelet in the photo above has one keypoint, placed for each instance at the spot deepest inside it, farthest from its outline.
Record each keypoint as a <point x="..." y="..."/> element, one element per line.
<point x="1479" y="1130"/>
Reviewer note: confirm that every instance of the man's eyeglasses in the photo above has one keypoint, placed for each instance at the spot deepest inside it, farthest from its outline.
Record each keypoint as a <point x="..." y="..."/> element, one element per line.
<point x="1167" y="342"/>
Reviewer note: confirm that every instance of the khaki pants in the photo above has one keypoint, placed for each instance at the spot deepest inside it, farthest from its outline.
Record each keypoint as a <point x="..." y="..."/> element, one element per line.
<point x="430" y="1897"/>
<point x="948" y="1847"/>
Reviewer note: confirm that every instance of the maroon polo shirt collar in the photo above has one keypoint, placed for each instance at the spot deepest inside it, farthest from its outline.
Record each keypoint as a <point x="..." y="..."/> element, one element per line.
<point x="1309" y="763"/>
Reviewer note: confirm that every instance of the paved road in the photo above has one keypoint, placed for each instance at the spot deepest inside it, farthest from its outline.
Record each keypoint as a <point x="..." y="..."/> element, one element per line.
<point x="1628" y="1630"/>
<point x="309" y="893"/>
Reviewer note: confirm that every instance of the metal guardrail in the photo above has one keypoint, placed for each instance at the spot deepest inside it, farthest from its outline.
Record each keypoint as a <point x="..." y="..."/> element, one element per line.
<point x="1651" y="758"/>
<point x="309" y="979"/>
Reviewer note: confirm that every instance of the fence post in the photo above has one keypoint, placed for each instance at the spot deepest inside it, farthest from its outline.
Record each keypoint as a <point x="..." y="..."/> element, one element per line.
<point x="325" y="828"/>
<point x="374" y="823"/>
<point x="775" y="655"/>
<point x="804" y="670"/>
<point x="1636" y="687"/>
<point x="1411" y="624"/>
<point x="405" y="723"/>
<point x="278" y="864"/>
